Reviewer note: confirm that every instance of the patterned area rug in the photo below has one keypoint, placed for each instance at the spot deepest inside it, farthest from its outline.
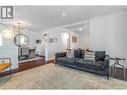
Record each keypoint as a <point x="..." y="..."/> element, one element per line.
<point x="58" y="77"/>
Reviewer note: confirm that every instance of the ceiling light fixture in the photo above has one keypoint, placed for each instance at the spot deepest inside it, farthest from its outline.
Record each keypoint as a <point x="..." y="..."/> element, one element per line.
<point x="80" y="29"/>
<point x="19" y="28"/>
<point x="63" y="14"/>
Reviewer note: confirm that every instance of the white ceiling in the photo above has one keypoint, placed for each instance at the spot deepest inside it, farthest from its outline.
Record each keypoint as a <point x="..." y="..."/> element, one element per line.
<point x="45" y="17"/>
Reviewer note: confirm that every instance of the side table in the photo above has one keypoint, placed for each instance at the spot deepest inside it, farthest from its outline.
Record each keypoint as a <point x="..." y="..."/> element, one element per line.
<point x="117" y="63"/>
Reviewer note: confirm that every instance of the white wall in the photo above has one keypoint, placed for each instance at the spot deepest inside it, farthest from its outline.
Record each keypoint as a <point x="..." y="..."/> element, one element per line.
<point x="65" y="41"/>
<point x="0" y="39"/>
<point x="109" y="33"/>
<point x="72" y="44"/>
<point x="1" y="29"/>
<point x="33" y="36"/>
<point x="98" y="33"/>
<point x="10" y="52"/>
<point x="84" y="40"/>
<point x="52" y="48"/>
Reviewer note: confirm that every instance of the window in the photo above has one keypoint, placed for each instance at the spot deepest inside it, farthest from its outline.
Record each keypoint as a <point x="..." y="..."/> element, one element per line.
<point x="0" y="39"/>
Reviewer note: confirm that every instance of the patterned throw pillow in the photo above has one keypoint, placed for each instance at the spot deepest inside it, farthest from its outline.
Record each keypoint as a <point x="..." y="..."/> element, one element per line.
<point x="89" y="56"/>
<point x="70" y="54"/>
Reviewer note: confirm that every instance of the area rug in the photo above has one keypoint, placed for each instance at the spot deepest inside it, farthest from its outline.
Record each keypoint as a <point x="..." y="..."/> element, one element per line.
<point x="52" y="76"/>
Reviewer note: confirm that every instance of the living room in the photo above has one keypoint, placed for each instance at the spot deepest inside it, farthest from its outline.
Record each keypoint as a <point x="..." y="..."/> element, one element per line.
<point x="33" y="38"/>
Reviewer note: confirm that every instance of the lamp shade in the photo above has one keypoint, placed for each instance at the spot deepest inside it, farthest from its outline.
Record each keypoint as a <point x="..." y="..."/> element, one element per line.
<point x="7" y="33"/>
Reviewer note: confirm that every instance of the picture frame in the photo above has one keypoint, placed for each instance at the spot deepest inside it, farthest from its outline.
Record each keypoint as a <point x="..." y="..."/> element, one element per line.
<point x="74" y="39"/>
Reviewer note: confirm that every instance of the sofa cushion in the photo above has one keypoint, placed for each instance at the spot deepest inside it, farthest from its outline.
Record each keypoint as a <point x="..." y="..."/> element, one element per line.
<point x="99" y="55"/>
<point x="89" y="64"/>
<point x="78" y="53"/>
<point x="67" y="60"/>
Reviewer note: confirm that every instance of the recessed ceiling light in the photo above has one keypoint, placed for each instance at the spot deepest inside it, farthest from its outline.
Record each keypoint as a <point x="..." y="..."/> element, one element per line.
<point x="63" y="14"/>
<point x="80" y="29"/>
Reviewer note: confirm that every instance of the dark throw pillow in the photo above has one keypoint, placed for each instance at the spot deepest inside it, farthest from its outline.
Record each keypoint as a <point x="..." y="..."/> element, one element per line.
<point x="78" y="53"/>
<point x="99" y="55"/>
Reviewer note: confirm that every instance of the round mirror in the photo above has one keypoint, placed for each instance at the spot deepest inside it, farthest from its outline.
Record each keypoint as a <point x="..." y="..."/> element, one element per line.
<point x="21" y="40"/>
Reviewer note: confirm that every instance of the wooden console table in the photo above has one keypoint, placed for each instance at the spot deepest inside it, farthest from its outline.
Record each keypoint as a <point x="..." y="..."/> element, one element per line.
<point x="31" y="63"/>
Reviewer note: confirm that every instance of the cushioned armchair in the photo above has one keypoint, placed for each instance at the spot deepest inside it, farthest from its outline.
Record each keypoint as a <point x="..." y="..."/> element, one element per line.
<point x="5" y="63"/>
